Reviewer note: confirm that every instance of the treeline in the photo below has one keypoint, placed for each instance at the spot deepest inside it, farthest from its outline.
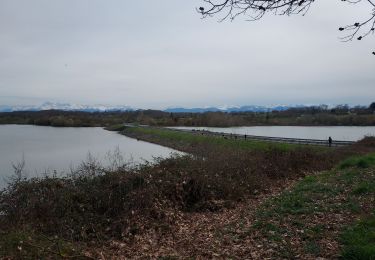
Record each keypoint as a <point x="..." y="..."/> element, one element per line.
<point x="82" y="119"/>
<point x="304" y="116"/>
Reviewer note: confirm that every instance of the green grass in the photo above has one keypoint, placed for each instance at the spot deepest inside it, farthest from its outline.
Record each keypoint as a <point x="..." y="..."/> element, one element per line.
<point x="197" y="138"/>
<point x="359" y="240"/>
<point x="343" y="190"/>
<point x="301" y="199"/>
<point x="364" y="188"/>
<point x="307" y="194"/>
<point x="359" y="161"/>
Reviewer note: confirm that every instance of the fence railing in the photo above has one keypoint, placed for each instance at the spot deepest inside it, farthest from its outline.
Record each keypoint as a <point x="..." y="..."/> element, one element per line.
<point x="269" y="138"/>
<point x="321" y="142"/>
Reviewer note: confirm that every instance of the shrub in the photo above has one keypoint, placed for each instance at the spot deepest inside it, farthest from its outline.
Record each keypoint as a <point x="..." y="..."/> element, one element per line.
<point x="118" y="202"/>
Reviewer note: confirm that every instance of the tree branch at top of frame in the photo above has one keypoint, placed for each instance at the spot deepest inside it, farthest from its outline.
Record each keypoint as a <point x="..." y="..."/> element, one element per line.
<point x="256" y="9"/>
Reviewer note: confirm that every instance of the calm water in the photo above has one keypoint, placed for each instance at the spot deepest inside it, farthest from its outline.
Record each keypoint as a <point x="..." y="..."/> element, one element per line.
<point x="342" y="133"/>
<point x="49" y="148"/>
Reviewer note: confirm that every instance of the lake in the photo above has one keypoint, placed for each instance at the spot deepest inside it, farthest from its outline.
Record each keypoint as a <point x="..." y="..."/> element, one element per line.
<point x="50" y="148"/>
<point x="342" y="133"/>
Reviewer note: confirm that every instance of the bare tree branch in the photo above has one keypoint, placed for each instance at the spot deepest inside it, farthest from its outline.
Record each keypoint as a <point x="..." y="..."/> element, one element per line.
<point x="256" y="9"/>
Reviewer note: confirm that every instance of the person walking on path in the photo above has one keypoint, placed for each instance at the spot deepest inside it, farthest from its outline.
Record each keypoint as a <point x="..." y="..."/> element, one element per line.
<point x="329" y="141"/>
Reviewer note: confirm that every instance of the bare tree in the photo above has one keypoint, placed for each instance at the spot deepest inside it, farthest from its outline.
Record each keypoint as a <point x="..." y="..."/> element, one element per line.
<point x="18" y="170"/>
<point x="256" y="9"/>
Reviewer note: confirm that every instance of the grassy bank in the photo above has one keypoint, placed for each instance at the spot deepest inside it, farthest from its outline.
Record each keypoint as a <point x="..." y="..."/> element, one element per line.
<point x="190" y="142"/>
<point x="324" y="215"/>
<point x="119" y="211"/>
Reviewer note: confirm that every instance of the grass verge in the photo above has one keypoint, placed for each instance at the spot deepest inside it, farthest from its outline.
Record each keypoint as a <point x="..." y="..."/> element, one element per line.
<point x="359" y="240"/>
<point x="318" y="216"/>
<point x="184" y="141"/>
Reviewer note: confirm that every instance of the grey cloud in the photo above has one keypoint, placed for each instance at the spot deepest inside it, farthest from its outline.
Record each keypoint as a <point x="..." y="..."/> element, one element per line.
<point x="160" y="54"/>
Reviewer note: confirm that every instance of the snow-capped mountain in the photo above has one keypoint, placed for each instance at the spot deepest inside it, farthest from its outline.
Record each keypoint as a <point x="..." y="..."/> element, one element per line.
<point x="231" y="109"/>
<point x="65" y="107"/>
<point x="192" y="110"/>
<point x="106" y="108"/>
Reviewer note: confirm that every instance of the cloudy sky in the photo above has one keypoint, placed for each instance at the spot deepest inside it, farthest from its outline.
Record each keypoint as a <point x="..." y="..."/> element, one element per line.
<point x="158" y="54"/>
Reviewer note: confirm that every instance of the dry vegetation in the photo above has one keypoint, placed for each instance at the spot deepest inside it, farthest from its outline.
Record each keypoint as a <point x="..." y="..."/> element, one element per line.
<point x="156" y="210"/>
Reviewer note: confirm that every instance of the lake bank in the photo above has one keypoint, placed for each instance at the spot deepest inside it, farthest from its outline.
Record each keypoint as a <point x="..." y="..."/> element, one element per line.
<point x="136" y="212"/>
<point x="190" y="142"/>
<point x="209" y="201"/>
<point x="59" y="150"/>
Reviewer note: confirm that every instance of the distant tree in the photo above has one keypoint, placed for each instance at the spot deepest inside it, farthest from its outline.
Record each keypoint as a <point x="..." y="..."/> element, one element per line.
<point x="267" y="116"/>
<point x="256" y="9"/>
<point x="372" y="106"/>
<point x="323" y="107"/>
<point x="341" y="109"/>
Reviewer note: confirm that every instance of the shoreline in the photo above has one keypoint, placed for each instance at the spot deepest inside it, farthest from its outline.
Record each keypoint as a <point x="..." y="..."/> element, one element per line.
<point x="232" y="199"/>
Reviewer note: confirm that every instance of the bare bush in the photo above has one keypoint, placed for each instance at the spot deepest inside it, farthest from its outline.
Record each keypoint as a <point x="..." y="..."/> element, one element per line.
<point x="100" y="204"/>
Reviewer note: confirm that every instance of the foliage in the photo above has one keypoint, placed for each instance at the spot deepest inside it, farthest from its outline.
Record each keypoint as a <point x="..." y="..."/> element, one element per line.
<point x="308" y="217"/>
<point x="98" y="202"/>
<point x="315" y="115"/>
<point x="359" y="161"/>
<point x="359" y="240"/>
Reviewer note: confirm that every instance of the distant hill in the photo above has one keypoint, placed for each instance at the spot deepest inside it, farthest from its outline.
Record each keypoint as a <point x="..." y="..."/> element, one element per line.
<point x="105" y="108"/>
<point x="65" y="107"/>
<point x="192" y="110"/>
<point x="232" y="109"/>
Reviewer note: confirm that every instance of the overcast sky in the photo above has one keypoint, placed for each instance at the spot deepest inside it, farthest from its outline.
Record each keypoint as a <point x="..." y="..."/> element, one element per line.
<point x="158" y="54"/>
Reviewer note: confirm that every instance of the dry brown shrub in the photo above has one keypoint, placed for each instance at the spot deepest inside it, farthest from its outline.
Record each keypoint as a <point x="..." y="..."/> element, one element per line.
<point x="122" y="203"/>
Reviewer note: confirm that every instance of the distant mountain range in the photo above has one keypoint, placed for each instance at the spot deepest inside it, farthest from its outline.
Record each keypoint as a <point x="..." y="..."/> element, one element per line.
<point x="104" y="108"/>
<point x="65" y="107"/>
<point x="232" y="109"/>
